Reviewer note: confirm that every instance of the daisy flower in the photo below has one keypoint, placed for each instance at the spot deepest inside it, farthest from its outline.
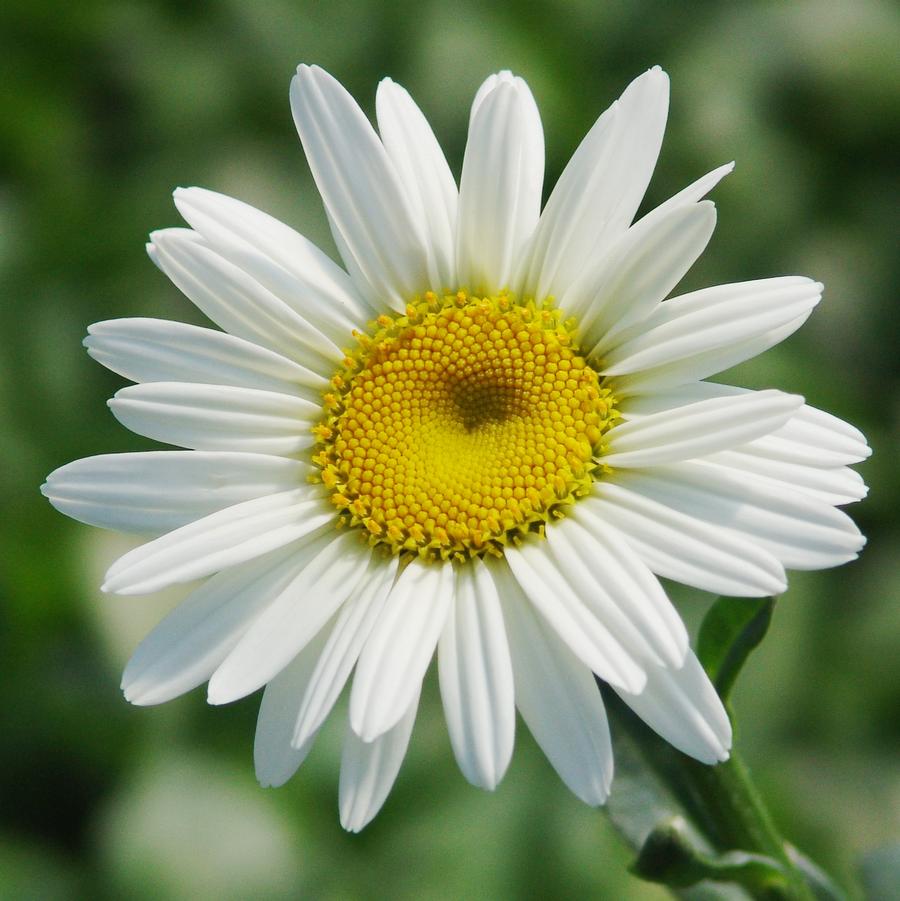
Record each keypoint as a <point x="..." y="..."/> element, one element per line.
<point x="484" y="437"/>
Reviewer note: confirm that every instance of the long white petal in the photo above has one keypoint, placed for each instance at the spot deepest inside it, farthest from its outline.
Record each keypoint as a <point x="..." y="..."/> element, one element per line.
<point x="361" y="190"/>
<point x="157" y="491"/>
<point x="305" y="278"/>
<point x="713" y="318"/>
<point x="810" y="437"/>
<point x="600" y="189"/>
<point x="218" y="417"/>
<point x="476" y="679"/>
<point x="424" y="173"/>
<point x="557" y="697"/>
<point x="353" y="626"/>
<point x="597" y="562"/>
<point x="396" y="656"/>
<point x="237" y="302"/>
<point x="156" y="350"/>
<point x="801" y="532"/>
<point x="274" y="759"/>
<point x="680" y="547"/>
<point x="637" y="273"/>
<point x="692" y="193"/>
<point x="500" y="187"/>
<point x="668" y="376"/>
<point x="368" y="769"/>
<point x="334" y="565"/>
<point x="597" y="632"/>
<point x="683" y="707"/>
<point x="219" y="541"/>
<point x="698" y="429"/>
<point x="837" y="486"/>
<point x="185" y="649"/>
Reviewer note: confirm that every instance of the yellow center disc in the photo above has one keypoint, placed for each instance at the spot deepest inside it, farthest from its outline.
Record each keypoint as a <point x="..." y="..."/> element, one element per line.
<point x="457" y="427"/>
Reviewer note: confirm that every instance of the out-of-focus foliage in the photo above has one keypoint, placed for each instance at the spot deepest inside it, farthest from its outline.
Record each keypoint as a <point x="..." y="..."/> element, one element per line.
<point x="104" y="108"/>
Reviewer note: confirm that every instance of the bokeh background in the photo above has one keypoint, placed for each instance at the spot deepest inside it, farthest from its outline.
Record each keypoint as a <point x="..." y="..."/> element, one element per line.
<point x="105" y="107"/>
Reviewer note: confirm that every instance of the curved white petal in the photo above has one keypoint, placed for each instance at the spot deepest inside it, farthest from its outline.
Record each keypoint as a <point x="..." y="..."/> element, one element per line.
<point x="680" y="547"/>
<point x="599" y="191"/>
<point x="157" y="491"/>
<point x="274" y="758"/>
<point x="500" y="187"/>
<point x="698" y="429"/>
<point x="668" y="376"/>
<point x="368" y="769"/>
<point x="352" y="627"/>
<point x="639" y="270"/>
<point x="396" y="656"/>
<point x="597" y="562"/>
<point x="476" y="679"/>
<point x="361" y="189"/>
<point x="156" y="350"/>
<point x="424" y="173"/>
<point x="219" y="541"/>
<point x="683" y="707"/>
<point x="692" y="193"/>
<point x="218" y="417"/>
<point x="288" y="264"/>
<point x="187" y="646"/>
<point x="810" y="437"/>
<point x="711" y="319"/>
<point x="837" y="486"/>
<point x="557" y="696"/>
<point x="335" y="562"/>
<point x="801" y="532"/>
<point x="237" y="302"/>
<point x="596" y="630"/>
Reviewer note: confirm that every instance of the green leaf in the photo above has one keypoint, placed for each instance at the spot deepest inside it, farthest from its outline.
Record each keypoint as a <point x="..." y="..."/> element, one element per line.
<point x="731" y="629"/>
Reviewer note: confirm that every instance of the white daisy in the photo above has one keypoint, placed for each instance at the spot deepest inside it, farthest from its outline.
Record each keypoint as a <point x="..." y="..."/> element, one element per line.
<point x="503" y="415"/>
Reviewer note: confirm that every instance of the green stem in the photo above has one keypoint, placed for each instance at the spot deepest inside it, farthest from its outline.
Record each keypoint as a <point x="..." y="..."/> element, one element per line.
<point x="722" y="803"/>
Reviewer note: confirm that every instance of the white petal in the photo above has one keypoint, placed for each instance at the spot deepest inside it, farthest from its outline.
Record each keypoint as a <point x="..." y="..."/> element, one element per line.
<point x="801" y="532"/>
<point x="692" y="193"/>
<point x="334" y="566"/>
<point x="361" y="189"/>
<point x="368" y="769"/>
<point x="185" y="649"/>
<point x="683" y="707"/>
<point x="667" y="376"/>
<point x="637" y="273"/>
<point x="500" y="187"/>
<point x="810" y="437"/>
<point x="713" y="319"/>
<point x="156" y="350"/>
<point x="238" y="303"/>
<point x="305" y="278"/>
<point x="599" y="563"/>
<point x="557" y="697"/>
<point x="220" y="540"/>
<point x="697" y="429"/>
<point x="599" y="192"/>
<point x="680" y="547"/>
<point x="836" y="486"/>
<point x="476" y="679"/>
<point x="158" y="491"/>
<point x="688" y="550"/>
<point x="275" y="760"/>
<point x="218" y="417"/>
<point x="424" y="173"/>
<point x="394" y="659"/>
<point x="596" y="631"/>
<point x="353" y="625"/>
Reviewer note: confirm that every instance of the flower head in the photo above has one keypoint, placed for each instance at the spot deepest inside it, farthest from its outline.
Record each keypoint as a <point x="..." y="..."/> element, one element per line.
<point x="487" y="435"/>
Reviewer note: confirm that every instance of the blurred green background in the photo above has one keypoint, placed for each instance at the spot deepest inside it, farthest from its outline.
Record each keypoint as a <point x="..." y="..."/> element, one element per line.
<point x="107" y="106"/>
